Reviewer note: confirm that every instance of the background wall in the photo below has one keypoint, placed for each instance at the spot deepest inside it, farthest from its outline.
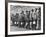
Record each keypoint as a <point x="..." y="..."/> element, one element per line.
<point x="2" y="18"/>
<point x="19" y="9"/>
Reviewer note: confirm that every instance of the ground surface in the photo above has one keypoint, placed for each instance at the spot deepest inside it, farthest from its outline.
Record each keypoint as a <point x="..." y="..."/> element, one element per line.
<point x="15" y="28"/>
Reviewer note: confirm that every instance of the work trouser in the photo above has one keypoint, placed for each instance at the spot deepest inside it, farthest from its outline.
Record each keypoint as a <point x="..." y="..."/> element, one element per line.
<point x="34" y="25"/>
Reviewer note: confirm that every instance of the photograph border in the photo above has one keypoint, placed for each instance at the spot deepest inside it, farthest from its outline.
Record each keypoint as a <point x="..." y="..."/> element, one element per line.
<point x="6" y="18"/>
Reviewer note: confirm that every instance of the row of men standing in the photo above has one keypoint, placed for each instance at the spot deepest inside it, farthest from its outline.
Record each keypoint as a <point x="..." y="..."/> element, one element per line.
<point x="29" y="20"/>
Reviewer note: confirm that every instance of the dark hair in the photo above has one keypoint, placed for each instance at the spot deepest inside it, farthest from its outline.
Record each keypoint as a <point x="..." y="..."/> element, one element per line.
<point x="32" y="10"/>
<point x="22" y="12"/>
<point x="36" y="9"/>
<point x="26" y="11"/>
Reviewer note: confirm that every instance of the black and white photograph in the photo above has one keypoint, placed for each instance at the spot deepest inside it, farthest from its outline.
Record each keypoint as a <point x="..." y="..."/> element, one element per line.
<point x="25" y="18"/>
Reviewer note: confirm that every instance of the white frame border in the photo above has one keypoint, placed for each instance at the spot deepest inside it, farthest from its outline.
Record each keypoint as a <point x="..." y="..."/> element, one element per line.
<point x="25" y="32"/>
